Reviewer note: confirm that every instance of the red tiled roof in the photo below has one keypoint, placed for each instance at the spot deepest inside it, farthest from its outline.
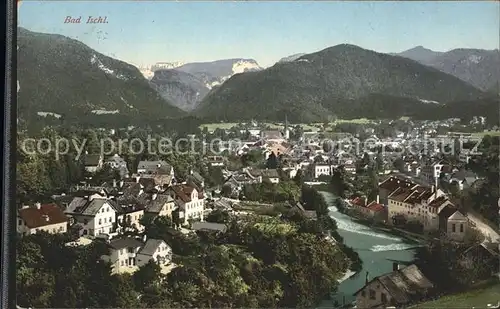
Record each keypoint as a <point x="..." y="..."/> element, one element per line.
<point x="48" y="214"/>
<point x="183" y="192"/>
<point x="375" y="207"/>
<point x="358" y="201"/>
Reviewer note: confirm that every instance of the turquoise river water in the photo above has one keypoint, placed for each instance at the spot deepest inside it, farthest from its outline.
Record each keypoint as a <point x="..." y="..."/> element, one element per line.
<point x="375" y="248"/>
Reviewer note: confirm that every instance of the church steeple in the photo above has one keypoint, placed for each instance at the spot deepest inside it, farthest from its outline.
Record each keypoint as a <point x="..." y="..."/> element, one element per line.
<point x="287" y="131"/>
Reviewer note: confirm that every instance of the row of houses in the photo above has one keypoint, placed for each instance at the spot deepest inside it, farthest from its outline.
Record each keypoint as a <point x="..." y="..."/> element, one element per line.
<point x="109" y="210"/>
<point x="401" y="201"/>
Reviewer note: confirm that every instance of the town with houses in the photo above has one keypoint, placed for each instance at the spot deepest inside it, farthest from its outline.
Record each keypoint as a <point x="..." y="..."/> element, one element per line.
<point x="413" y="189"/>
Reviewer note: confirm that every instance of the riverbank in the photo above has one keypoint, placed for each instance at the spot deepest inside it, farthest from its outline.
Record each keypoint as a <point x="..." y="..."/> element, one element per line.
<point x="344" y="208"/>
<point x="376" y="249"/>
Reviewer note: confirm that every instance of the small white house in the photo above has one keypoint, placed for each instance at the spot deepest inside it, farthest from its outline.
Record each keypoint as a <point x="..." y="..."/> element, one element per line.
<point x="156" y="250"/>
<point x="127" y="254"/>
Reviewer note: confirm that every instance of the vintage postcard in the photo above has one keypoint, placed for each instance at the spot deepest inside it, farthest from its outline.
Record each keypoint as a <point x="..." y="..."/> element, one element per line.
<point x="257" y="154"/>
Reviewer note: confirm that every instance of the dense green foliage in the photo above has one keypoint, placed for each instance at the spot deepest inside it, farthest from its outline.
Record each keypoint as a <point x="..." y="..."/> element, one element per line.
<point x="272" y="192"/>
<point x="64" y="76"/>
<point x="485" y="197"/>
<point x="259" y="262"/>
<point x="444" y="264"/>
<point x="340" y="80"/>
<point x="51" y="275"/>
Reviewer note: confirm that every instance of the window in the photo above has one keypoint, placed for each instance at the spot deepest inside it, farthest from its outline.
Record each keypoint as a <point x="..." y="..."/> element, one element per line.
<point x="110" y="219"/>
<point x="383" y="297"/>
<point x="105" y="220"/>
<point x="453" y="227"/>
<point x="372" y="294"/>
<point x="461" y="228"/>
<point x="100" y="221"/>
<point x="20" y="222"/>
<point x="121" y="263"/>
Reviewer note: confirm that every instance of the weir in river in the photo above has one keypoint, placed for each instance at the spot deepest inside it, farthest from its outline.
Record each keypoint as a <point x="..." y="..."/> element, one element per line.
<point x="375" y="248"/>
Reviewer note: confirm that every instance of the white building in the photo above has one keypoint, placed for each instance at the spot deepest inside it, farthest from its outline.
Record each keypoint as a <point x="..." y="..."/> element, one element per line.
<point x="47" y="218"/>
<point x="320" y="169"/>
<point x="96" y="214"/>
<point x="128" y="254"/>
<point x="191" y="202"/>
<point x="156" y="250"/>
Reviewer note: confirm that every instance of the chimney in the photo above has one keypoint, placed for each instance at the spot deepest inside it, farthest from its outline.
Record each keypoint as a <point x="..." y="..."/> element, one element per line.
<point x="46" y="218"/>
<point x="121" y="183"/>
<point x="366" y="278"/>
<point x="395" y="266"/>
<point x="38" y="205"/>
<point x="114" y="183"/>
<point x="137" y="178"/>
<point x="378" y="199"/>
<point x="155" y="195"/>
<point x="433" y="189"/>
<point x="144" y="238"/>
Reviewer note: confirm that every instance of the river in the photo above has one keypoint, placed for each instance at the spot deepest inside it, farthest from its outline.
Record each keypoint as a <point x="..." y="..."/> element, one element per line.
<point x="375" y="249"/>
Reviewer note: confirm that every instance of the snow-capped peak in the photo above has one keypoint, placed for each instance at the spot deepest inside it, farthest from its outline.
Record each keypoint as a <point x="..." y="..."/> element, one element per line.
<point x="166" y="65"/>
<point x="245" y="65"/>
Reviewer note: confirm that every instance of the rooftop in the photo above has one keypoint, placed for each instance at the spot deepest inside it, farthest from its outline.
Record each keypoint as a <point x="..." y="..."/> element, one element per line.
<point x="48" y="214"/>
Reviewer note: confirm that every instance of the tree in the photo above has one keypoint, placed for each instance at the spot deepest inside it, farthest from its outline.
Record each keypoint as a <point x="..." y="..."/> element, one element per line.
<point x="338" y="182"/>
<point x="147" y="275"/>
<point x="226" y="191"/>
<point x="299" y="178"/>
<point x="399" y="164"/>
<point x="218" y="216"/>
<point x="272" y="161"/>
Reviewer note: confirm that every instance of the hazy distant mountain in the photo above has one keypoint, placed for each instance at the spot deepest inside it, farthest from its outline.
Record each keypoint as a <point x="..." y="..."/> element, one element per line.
<point x="186" y="85"/>
<point x="291" y="58"/>
<point x="60" y="76"/>
<point x="420" y="54"/>
<point x="216" y="72"/>
<point x="478" y="67"/>
<point x="182" y="89"/>
<point x="325" y="83"/>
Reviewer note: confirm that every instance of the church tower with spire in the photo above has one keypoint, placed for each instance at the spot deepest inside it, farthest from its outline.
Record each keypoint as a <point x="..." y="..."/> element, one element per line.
<point x="287" y="130"/>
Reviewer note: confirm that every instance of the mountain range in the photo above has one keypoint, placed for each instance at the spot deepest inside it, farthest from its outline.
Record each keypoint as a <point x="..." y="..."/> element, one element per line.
<point x="320" y="85"/>
<point x="63" y="77"/>
<point x="477" y="67"/>
<point x="186" y="85"/>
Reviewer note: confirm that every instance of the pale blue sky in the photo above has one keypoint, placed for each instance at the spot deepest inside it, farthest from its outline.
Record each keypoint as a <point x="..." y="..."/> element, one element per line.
<point x="145" y="32"/>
